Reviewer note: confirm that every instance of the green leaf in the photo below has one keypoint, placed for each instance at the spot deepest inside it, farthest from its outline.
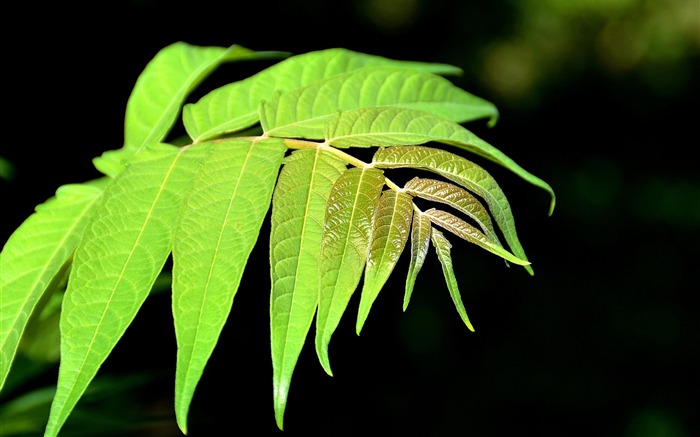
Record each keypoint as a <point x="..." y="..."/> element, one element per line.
<point x="456" y="197"/>
<point x="346" y="237"/>
<point x="469" y="233"/>
<point x="442" y="247"/>
<point x="420" y="242"/>
<point x="460" y="171"/>
<point x="123" y="249"/>
<point x="160" y="91"/>
<point x="304" y="112"/>
<point x="298" y="211"/>
<point x="392" y="224"/>
<point x="33" y="255"/>
<point x="235" y="106"/>
<point x="218" y="227"/>
<point x="165" y="83"/>
<point x="384" y="127"/>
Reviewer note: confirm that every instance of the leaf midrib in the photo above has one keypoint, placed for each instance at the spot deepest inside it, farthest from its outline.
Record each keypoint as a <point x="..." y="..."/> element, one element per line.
<point x="216" y="252"/>
<point x="301" y="246"/>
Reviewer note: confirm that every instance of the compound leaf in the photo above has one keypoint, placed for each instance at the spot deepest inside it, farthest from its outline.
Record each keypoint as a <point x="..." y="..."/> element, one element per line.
<point x="298" y="211"/>
<point x="442" y="247"/>
<point x="236" y="106"/>
<point x="456" y="197"/>
<point x="388" y="126"/>
<point x="33" y="255"/>
<point x="346" y="237"/>
<point x="392" y="224"/>
<point x="469" y="233"/>
<point x="460" y="171"/>
<point x="219" y="224"/>
<point x="121" y="253"/>
<point x="304" y="112"/>
<point x="420" y="243"/>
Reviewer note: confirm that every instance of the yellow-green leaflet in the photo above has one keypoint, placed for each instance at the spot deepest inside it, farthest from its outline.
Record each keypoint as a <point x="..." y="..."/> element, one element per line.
<point x="298" y="211"/>
<point x="165" y="83"/>
<point x="455" y="197"/>
<point x="160" y="90"/>
<point x="460" y="171"/>
<point x="391" y="126"/>
<point x="469" y="233"/>
<point x="33" y="255"/>
<point x="219" y="223"/>
<point x="235" y="106"/>
<point x="392" y="224"/>
<point x="305" y="111"/>
<point x="123" y="249"/>
<point x="442" y="247"/>
<point x="346" y="237"/>
<point x="420" y="243"/>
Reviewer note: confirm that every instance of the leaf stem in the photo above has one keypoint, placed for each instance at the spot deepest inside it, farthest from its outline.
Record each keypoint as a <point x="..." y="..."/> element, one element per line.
<point x="392" y="185"/>
<point x="303" y="144"/>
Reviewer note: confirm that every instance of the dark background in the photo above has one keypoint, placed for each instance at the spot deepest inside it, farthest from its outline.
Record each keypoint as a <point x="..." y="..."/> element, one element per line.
<point x="597" y="98"/>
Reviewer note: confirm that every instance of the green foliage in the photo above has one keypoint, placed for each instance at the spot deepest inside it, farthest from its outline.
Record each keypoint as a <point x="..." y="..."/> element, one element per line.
<point x="336" y="220"/>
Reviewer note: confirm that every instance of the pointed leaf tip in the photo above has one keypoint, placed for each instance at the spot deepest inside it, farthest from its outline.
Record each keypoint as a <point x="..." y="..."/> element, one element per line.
<point x="392" y="224"/>
<point x="212" y="243"/>
<point x="420" y="243"/>
<point x="442" y="247"/>
<point x="347" y="232"/>
<point x="298" y="209"/>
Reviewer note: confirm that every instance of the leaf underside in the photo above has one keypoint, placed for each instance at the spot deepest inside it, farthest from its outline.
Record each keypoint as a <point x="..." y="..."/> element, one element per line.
<point x="305" y="111"/>
<point x="219" y="222"/>
<point x="235" y="106"/>
<point x="33" y="255"/>
<point x="298" y="211"/>
<point x="123" y="249"/>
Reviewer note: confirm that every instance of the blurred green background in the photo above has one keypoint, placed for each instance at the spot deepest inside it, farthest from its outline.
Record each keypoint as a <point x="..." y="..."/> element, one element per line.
<point x="597" y="97"/>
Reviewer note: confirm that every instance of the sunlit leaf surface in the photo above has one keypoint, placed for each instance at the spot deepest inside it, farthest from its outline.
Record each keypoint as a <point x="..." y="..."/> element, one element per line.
<point x="217" y="228"/>
<point x="298" y="211"/>
<point x="164" y="84"/>
<point x="235" y="106"/>
<point x="442" y="247"/>
<point x="392" y="224"/>
<point x="347" y="231"/>
<point x="33" y="255"/>
<point x="123" y="249"/>
<point x="455" y="197"/>
<point x="463" y="172"/>
<point x="304" y="112"/>
<point x="385" y="127"/>
<point x="285" y="143"/>
<point x="420" y="243"/>
<point x="469" y="233"/>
